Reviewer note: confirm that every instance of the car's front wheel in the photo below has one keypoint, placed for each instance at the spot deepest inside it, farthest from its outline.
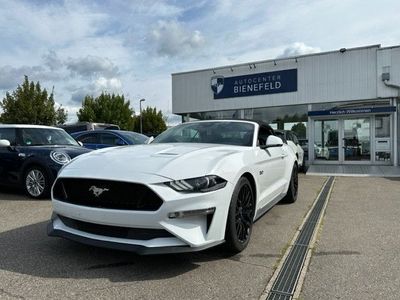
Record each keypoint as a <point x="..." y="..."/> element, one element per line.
<point x="36" y="182"/>
<point x="291" y="195"/>
<point x="240" y="217"/>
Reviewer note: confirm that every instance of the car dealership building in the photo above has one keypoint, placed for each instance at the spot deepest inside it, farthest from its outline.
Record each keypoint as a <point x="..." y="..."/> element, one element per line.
<point x="343" y="104"/>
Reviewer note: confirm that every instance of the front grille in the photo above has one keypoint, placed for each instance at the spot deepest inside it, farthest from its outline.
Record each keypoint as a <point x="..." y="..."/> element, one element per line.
<point x="106" y="194"/>
<point x="115" y="231"/>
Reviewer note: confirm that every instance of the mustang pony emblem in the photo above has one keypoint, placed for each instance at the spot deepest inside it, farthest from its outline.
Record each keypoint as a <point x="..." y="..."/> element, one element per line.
<point x="97" y="191"/>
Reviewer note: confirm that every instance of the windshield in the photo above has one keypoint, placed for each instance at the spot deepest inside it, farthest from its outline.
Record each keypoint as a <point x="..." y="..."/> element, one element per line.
<point x="229" y="133"/>
<point x="46" y="136"/>
<point x="133" y="137"/>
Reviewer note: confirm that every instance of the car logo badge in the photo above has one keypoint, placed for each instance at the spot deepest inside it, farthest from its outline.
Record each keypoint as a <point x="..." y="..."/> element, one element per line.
<point x="217" y="84"/>
<point x="97" y="191"/>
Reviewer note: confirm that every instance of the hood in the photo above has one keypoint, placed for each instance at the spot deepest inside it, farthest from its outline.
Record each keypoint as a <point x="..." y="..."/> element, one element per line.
<point x="172" y="161"/>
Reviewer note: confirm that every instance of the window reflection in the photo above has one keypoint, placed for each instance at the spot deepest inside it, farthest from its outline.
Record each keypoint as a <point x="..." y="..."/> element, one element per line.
<point x="292" y="117"/>
<point x="326" y="140"/>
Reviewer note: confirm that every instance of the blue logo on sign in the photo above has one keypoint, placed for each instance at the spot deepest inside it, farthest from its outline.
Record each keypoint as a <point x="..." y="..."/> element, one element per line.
<point x="217" y="84"/>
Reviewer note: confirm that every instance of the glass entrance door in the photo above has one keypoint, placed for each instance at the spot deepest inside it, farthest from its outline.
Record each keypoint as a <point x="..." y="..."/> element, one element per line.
<point x="326" y="140"/>
<point x="356" y="139"/>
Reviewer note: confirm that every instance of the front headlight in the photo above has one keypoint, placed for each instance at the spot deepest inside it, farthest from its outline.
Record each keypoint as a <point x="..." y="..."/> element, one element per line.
<point x="199" y="184"/>
<point x="60" y="157"/>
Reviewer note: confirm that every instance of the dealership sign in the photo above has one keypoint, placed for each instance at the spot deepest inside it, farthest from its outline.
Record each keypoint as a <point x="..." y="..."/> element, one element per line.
<point x="255" y="84"/>
<point x="352" y="111"/>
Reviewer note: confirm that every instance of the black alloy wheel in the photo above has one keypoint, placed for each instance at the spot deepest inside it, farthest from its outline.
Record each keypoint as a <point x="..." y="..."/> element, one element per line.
<point x="240" y="217"/>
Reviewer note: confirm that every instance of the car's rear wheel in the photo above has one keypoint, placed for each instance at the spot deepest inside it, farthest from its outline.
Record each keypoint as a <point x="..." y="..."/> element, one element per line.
<point x="36" y="182"/>
<point x="292" y="192"/>
<point x="240" y="217"/>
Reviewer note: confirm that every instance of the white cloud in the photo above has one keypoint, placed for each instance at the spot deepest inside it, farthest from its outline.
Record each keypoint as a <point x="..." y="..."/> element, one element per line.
<point x="91" y="66"/>
<point x="298" y="49"/>
<point x="109" y="85"/>
<point x="10" y="76"/>
<point x="52" y="61"/>
<point x="156" y="8"/>
<point x="134" y="46"/>
<point x="173" y="39"/>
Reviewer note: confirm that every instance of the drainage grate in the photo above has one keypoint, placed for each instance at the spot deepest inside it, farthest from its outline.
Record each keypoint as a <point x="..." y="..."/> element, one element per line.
<point x="285" y="284"/>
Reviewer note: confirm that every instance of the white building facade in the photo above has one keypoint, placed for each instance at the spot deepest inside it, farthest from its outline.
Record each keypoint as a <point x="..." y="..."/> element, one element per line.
<point x="343" y="105"/>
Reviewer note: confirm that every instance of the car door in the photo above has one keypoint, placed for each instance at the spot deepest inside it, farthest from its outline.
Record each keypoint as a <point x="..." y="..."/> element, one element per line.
<point x="270" y="168"/>
<point x="10" y="161"/>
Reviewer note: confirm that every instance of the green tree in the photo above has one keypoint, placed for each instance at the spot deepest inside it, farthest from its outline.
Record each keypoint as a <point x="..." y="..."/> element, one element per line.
<point x="107" y="108"/>
<point x="30" y="104"/>
<point x="300" y="130"/>
<point x="154" y="122"/>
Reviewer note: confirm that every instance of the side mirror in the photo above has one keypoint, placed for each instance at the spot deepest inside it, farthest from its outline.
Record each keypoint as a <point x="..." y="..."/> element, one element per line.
<point x="80" y="143"/>
<point x="120" y="143"/>
<point x="150" y="140"/>
<point x="5" y="143"/>
<point x="272" y="141"/>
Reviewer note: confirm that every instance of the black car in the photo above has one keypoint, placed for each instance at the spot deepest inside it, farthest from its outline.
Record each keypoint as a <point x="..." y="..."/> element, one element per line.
<point x="32" y="155"/>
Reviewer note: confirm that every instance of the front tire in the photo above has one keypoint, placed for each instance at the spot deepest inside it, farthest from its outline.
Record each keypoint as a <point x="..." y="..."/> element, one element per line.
<point x="36" y="182"/>
<point x="240" y="217"/>
<point x="291" y="195"/>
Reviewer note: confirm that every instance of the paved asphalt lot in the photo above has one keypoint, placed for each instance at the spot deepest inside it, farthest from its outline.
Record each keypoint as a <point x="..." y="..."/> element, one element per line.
<point x="34" y="266"/>
<point x="358" y="252"/>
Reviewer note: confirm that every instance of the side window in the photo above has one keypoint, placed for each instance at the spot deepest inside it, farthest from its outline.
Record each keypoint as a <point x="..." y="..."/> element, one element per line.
<point x="90" y="138"/>
<point x="263" y="134"/>
<point x="109" y="139"/>
<point x="8" y="134"/>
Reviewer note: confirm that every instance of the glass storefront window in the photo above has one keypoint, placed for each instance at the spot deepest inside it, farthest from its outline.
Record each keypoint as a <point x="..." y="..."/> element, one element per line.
<point x="293" y="117"/>
<point x="326" y="139"/>
<point x="383" y="147"/>
<point x="382" y="126"/>
<point x="356" y="139"/>
<point x="216" y="115"/>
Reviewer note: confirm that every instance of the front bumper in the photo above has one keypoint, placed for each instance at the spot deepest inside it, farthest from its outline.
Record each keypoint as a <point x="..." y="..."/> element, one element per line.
<point x="56" y="231"/>
<point x="191" y="233"/>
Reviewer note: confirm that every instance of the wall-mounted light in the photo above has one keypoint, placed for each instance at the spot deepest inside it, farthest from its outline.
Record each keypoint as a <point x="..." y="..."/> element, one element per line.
<point x="214" y="72"/>
<point x="274" y="63"/>
<point x="295" y="60"/>
<point x="254" y="66"/>
<point x="250" y="66"/>
<point x="342" y="50"/>
<point x="231" y="69"/>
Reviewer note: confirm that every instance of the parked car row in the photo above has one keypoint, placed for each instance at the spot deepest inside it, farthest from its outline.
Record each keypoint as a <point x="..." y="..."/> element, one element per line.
<point x="290" y="138"/>
<point x="196" y="185"/>
<point x="32" y="155"/>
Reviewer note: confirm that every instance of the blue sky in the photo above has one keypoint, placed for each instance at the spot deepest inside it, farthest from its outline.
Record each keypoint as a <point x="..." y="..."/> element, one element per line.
<point x="132" y="47"/>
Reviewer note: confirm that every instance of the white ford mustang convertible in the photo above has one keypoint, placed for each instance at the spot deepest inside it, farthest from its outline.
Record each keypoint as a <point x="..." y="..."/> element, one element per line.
<point x="197" y="185"/>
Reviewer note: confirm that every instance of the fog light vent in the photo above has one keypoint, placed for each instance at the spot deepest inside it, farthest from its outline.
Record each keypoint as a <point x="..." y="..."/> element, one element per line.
<point x="191" y="213"/>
